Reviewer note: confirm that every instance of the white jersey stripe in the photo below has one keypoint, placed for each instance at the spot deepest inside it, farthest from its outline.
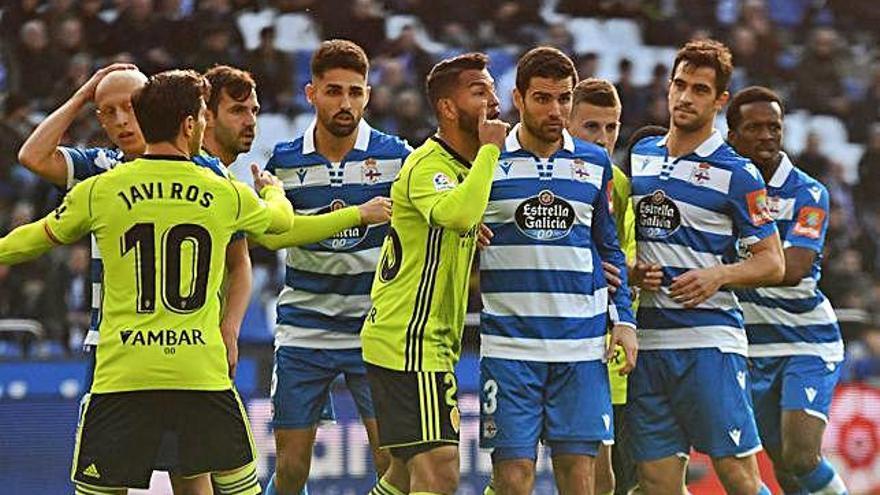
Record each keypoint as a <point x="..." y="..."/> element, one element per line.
<point x="327" y="304"/>
<point x="542" y="350"/>
<point x="314" y="338"/>
<point x="528" y="258"/>
<point x="674" y="255"/>
<point x="722" y="337"/>
<point x="831" y="352"/>
<point x="822" y="314"/>
<point x="333" y="263"/>
<point x="722" y="300"/>
<point x="556" y="304"/>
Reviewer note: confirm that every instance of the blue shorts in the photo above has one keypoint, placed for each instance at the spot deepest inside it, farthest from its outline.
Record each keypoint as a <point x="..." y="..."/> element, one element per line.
<point x="301" y="383"/>
<point x="686" y="398"/>
<point x="791" y="383"/>
<point x="566" y="405"/>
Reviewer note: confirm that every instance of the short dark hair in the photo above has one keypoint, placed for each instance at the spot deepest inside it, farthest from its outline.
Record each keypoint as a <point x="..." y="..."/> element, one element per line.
<point x="544" y="61"/>
<point x="443" y="78"/>
<point x="237" y="83"/>
<point x="748" y="95"/>
<point x="595" y="91"/>
<point x="166" y="100"/>
<point x="339" y="54"/>
<point x="707" y="53"/>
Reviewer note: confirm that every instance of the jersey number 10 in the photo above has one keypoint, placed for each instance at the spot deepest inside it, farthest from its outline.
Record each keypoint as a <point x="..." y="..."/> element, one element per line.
<point x="141" y="238"/>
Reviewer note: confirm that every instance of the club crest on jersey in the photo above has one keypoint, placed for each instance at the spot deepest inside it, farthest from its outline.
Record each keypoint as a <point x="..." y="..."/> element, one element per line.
<point x="700" y="175"/>
<point x="579" y="170"/>
<point x="759" y="208"/>
<point x="370" y="173"/>
<point x="347" y="238"/>
<point x="545" y="217"/>
<point x="657" y="216"/>
<point x="490" y="429"/>
<point x="809" y="222"/>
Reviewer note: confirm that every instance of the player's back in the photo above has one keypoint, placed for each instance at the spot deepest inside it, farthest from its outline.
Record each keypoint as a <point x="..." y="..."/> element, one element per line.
<point x="162" y="225"/>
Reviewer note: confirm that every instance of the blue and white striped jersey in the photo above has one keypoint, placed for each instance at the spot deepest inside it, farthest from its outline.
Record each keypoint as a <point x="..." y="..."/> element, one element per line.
<point x="83" y="163"/>
<point x="544" y="293"/>
<point x="327" y="284"/>
<point x="788" y="321"/>
<point x="690" y="212"/>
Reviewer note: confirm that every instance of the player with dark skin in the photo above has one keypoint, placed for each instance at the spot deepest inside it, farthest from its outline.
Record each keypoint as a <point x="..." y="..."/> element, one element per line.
<point x="758" y="137"/>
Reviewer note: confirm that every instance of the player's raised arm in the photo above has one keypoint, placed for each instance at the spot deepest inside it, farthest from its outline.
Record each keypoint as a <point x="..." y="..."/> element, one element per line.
<point x="314" y="228"/>
<point x="40" y="153"/>
<point x="460" y="207"/>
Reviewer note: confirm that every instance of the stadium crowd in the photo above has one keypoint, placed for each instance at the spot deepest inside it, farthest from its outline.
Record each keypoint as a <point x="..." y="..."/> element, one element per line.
<point x="821" y="56"/>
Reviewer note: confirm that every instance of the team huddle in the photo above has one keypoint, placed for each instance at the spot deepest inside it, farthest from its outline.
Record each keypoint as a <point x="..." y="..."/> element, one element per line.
<point x="629" y="314"/>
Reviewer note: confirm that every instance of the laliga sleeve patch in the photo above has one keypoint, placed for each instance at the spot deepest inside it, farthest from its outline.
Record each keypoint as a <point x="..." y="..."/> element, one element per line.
<point x="442" y="182"/>
<point x="759" y="209"/>
<point x="809" y="222"/>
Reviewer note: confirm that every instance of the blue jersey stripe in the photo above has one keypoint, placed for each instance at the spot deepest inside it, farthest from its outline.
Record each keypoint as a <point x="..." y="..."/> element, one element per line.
<point x="542" y="327"/>
<point x="549" y="281"/>
<point x="319" y="283"/>
<point x="660" y="318"/>
<point x="305" y="318"/>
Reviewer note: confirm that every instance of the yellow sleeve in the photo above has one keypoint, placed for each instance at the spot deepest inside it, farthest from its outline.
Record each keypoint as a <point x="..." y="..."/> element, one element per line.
<point x="444" y="202"/>
<point x="312" y="228"/>
<point x="25" y="243"/>
<point x="72" y="220"/>
<point x="624" y="215"/>
<point x="273" y="214"/>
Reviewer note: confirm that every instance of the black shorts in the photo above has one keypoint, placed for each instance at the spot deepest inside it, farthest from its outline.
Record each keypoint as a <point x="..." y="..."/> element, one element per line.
<point x="416" y="410"/>
<point x="120" y="435"/>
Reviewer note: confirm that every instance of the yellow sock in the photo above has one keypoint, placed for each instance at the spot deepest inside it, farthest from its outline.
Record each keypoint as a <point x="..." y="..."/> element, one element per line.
<point x="489" y="490"/>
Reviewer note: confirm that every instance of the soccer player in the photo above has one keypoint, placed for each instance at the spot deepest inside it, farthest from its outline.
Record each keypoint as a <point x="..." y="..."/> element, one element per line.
<point x="162" y="223"/>
<point x="412" y="335"/>
<point x="339" y="161"/>
<point x="694" y="197"/>
<point x="795" y="347"/>
<point x="595" y="117"/>
<point x="545" y="299"/>
<point x="110" y="89"/>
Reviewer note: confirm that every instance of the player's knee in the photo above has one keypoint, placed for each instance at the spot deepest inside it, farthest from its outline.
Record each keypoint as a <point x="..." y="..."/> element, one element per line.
<point x="799" y="461"/>
<point x="738" y="479"/>
<point x="514" y="476"/>
<point x="438" y="470"/>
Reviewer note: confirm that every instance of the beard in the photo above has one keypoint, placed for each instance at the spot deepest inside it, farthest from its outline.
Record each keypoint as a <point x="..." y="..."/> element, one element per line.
<point x="341" y="129"/>
<point x="468" y="123"/>
<point x="542" y="130"/>
<point x="693" y="122"/>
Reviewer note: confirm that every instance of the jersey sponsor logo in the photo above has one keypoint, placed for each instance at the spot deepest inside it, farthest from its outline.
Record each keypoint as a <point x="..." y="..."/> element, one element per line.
<point x="759" y="209"/>
<point x="657" y="216"/>
<point x="346" y="239"/>
<point x="701" y="174"/>
<point x="442" y="182"/>
<point x="165" y="338"/>
<point x="545" y="217"/>
<point x="370" y="173"/>
<point x="392" y="257"/>
<point x="809" y="222"/>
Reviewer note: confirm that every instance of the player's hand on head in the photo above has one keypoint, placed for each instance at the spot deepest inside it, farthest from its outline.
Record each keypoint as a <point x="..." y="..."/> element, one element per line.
<point x="612" y="276"/>
<point x="492" y="131"/>
<point x="375" y="211"/>
<point x="647" y="276"/>
<point x="87" y="90"/>
<point x="625" y="337"/>
<point x="484" y="236"/>
<point x="694" y="287"/>
<point x="263" y="178"/>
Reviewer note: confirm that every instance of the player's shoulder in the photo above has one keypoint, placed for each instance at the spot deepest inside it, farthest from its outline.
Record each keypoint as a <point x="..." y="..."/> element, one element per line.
<point x="804" y="186"/>
<point x="211" y="163"/>
<point x="648" y="145"/>
<point x="289" y="154"/>
<point x="589" y="152"/>
<point x="101" y="157"/>
<point x="430" y="154"/>
<point x="726" y="157"/>
<point x="388" y="145"/>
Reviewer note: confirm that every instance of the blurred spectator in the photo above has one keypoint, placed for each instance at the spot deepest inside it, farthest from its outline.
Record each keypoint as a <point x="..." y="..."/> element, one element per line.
<point x="14" y="129"/>
<point x="587" y="65"/>
<point x="380" y="112"/>
<point x="516" y="22"/>
<point x="55" y="12"/>
<point x="863" y="358"/>
<point x="867" y="111"/>
<point x="68" y="37"/>
<point x="273" y="72"/>
<point x="361" y="21"/>
<point x="140" y="32"/>
<point x="631" y="99"/>
<point x="415" y="61"/>
<point x="15" y="15"/>
<point x="412" y="123"/>
<point x="558" y="36"/>
<point x="812" y="160"/>
<point x="216" y="47"/>
<point x="819" y="80"/>
<point x="76" y="284"/>
<point x="95" y="29"/>
<point x="36" y="66"/>
<point x="869" y="172"/>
